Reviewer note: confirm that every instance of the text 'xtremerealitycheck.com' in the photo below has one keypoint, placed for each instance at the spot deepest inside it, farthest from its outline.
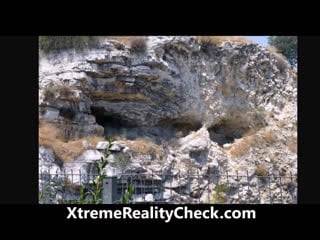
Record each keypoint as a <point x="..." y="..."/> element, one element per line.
<point x="156" y="212"/>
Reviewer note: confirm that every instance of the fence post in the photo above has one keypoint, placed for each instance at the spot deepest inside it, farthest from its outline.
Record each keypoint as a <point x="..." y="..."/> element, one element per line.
<point x="110" y="191"/>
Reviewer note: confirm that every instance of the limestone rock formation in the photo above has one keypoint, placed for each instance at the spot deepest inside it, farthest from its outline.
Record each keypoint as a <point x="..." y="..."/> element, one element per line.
<point x="180" y="106"/>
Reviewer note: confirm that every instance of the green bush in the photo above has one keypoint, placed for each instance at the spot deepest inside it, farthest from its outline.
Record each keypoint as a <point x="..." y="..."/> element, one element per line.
<point x="94" y="196"/>
<point x="287" y="45"/>
<point x="87" y="195"/>
<point x="58" y="43"/>
<point x="219" y="195"/>
<point x="126" y="197"/>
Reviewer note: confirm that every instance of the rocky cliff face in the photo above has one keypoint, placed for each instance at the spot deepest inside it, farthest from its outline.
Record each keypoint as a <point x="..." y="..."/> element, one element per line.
<point x="179" y="106"/>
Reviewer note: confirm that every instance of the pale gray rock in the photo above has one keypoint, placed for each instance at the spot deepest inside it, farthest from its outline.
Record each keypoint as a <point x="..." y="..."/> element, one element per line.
<point x="143" y="198"/>
<point x="102" y="145"/>
<point x="117" y="147"/>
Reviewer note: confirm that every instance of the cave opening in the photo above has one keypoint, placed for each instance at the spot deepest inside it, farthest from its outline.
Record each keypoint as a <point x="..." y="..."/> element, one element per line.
<point x="227" y="130"/>
<point x="116" y="126"/>
<point x="105" y="118"/>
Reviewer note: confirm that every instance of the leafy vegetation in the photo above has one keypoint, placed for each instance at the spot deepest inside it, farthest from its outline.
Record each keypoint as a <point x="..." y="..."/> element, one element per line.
<point x="126" y="197"/>
<point x="90" y="194"/>
<point x="49" y="191"/>
<point x="87" y="195"/>
<point x="95" y="194"/>
<point x="219" y="195"/>
<point x="287" y="45"/>
<point x="58" y="43"/>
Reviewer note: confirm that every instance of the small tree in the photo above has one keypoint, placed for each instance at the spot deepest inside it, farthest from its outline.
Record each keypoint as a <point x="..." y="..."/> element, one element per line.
<point x="287" y="45"/>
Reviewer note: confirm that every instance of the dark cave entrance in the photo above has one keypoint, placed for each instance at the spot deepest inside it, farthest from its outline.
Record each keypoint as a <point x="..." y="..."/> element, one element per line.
<point x="117" y="126"/>
<point x="183" y="129"/>
<point x="227" y="130"/>
<point x="104" y="118"/>
<point x="114" y="125"/>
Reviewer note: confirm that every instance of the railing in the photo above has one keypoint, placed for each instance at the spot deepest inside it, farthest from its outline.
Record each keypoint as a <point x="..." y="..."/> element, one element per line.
<point x="178" y="187"/>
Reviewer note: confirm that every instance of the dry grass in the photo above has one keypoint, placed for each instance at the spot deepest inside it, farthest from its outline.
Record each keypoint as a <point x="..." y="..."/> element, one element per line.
<point x="52" y="137"/>
<point x="138" y="45"/>
<point x="282" y="123"/>
<point x="93" y="140"/>
<point x="242" y="147"/>
<point x="252" y="140"/>
<point x="270" y="137"/>
<point x="47" y="132"/>
<point x="261" y="170"/>
<point x="281" y="62"/>
<point x="70" y="185"/>
<point x="49" y="93"/>
<point x="65" y="92"/>
<point x="143" y="147"/>
<point x="276" y="52"/>
<point x="226" y="89"/>
<point x="221" y="39"/>
<point x="250" y="132"/>
<point x="292" y="144"/>
<point x="273" y="158"/>
<point x="126" y="40"/>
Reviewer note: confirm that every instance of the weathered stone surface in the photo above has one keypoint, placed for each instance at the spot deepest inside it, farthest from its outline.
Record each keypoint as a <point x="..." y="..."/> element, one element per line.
<point x="102" y="145"/>
<point x="231" y="107"/>
<point x="143" y="198"/>
<point x="196" y="141"/>
<point x="47" y="161"/>
<point x="117" y="147"/>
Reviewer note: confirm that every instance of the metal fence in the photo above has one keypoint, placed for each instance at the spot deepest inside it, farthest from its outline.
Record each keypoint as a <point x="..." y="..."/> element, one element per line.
<point x="177" y="187"/>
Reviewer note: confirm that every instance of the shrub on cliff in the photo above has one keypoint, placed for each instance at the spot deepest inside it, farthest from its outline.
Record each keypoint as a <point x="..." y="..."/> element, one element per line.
<point x="57" y="43"/>
<point x="138" y="45"/>
<point x="287" y="45"/>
